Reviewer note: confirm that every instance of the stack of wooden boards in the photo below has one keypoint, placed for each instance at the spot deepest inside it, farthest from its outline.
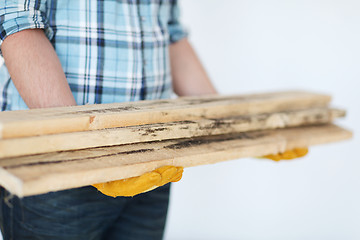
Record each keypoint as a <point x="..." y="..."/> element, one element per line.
<point x="44" y="150"/>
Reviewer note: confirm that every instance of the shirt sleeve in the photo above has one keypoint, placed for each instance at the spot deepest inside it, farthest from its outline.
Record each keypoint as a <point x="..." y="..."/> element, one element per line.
<point x="18" y="15"/>
<point x="176" y="30"/>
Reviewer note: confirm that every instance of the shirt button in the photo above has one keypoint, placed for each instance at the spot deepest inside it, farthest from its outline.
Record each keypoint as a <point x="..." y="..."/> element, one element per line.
<point x="143" y="19"/>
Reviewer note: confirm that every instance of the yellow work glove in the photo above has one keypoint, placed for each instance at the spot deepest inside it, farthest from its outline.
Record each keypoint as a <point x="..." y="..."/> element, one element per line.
<point x="148" y="181"/>
<point x="288" y="155"/>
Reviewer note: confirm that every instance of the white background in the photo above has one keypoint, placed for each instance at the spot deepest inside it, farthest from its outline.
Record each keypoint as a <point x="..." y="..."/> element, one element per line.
<point x="262" y="45"/>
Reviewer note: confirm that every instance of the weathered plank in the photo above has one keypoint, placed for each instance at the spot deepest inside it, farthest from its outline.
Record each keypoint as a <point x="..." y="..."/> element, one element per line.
<point x="15" y="124"/>
<point x="155" y="132"/>
<point x="56" y="171"/>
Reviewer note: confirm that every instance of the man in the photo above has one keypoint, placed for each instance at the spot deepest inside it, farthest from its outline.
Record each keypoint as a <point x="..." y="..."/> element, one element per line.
<point x="66" y="52"/>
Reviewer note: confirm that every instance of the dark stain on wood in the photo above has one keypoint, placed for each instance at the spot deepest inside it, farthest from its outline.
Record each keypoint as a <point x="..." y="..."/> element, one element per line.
<point x="156" y="102"/>
<point x="216" y="123"/>
<point x="136" y="151"/>
<point x="307" y="119"/>
<point x="319" y="116"/>
<point x="185" y="122"/>
<point x="106" y="110"/>
<point x="224" y="123"/>
<point x="158" y="127"/>
<point x="260" y="117"/>
<point x="143" y="150"/>
<point x="213" y="139"/>
<point x="203" y="101"/>
<point x="152" y="131"/>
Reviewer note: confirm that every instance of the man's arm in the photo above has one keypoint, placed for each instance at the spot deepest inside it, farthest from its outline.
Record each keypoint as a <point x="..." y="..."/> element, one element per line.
<point x="36" y="70"/>
<point x="189" y="76"/>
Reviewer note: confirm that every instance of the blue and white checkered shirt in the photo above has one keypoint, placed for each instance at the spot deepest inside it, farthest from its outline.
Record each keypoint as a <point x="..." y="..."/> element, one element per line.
<point x="110" y="50"/>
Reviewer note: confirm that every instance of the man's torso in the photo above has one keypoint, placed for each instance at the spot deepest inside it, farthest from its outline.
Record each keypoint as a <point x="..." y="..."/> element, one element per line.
<point x="110" y="51"/>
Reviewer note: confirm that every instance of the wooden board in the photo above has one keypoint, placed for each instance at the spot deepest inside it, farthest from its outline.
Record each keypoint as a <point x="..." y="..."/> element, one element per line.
<point x="42" y="173"/>
<point x="25" y="123"/>
<point x="155" y="132"/>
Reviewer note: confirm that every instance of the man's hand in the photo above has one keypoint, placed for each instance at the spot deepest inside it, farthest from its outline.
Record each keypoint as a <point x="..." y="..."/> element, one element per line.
<point x="132" y="186"/>
<point x="288" y="155"/>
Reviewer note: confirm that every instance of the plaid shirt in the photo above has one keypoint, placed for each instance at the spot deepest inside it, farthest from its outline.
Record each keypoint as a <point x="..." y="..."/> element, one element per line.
<point x="110" y="50"/>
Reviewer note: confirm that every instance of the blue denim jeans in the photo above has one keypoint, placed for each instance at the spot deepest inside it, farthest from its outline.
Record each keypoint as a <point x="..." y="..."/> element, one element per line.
<point x="84" y="213"/>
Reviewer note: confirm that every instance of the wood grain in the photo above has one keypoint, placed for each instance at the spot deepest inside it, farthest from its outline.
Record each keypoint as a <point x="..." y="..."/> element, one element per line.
<point x="42" y="173"/>
<point x="36" y="122"/>
<point x="164" y="131"/>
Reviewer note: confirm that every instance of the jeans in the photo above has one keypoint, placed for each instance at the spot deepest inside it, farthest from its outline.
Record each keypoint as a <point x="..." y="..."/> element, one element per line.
<point x="84" y="213"/>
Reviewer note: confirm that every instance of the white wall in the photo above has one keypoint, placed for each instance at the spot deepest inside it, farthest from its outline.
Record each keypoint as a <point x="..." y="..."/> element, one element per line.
<point x="262" y="45"/>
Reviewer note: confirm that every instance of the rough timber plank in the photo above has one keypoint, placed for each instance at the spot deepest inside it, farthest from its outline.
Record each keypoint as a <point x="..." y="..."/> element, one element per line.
<point x="37" y="122"/>
<point x="155" y="132"/>
<point x="56" y="171"/>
